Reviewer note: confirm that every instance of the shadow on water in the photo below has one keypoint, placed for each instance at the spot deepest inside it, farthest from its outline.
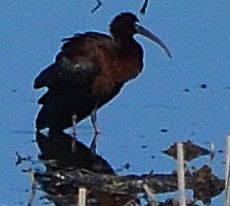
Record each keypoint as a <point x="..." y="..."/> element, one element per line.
<point x="70" y="165"/>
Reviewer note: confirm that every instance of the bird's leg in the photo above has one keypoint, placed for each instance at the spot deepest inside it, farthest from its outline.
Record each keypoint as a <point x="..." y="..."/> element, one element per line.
<point x="94" y="121"/>
<point x="74" y="134"/>
<point x="96" y="130"/>
<point x="74" y="125"/>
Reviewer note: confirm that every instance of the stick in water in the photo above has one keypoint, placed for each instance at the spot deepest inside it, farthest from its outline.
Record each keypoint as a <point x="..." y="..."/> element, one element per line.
<point x="180" y="174"/>
<point x="227" y="176"/>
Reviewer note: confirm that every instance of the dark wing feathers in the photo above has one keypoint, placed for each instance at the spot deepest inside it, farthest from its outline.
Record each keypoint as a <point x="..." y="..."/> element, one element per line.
<point x="71" y="69"/>
<point x="80" y="36"/>
<point x="44" y="79"/>
<point x="66" y="76"/>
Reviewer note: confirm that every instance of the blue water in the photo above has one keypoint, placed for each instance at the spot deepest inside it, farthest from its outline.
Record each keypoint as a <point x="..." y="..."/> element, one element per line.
<point x="198" y="36"/>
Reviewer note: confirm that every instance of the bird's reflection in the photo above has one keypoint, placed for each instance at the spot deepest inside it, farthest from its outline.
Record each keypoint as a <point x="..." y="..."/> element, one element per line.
<point x="68" y="170"/>
<point x="57" y="151"/>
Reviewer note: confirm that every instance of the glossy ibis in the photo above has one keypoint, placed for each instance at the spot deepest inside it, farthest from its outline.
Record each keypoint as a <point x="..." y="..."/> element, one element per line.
<point x="89" y="71"/>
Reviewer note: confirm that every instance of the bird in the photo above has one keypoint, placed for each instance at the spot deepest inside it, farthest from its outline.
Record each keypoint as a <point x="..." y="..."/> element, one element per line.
<point x="89" y="71"/>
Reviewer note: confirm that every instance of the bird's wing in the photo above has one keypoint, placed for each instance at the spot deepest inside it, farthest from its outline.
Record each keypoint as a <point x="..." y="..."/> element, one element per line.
<point x="76" y="65"/>
<point x="65" y="75"/>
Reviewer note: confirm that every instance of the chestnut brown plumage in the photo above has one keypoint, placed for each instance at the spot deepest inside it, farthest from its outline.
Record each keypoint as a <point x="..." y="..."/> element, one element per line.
<point x="89" y="71"/>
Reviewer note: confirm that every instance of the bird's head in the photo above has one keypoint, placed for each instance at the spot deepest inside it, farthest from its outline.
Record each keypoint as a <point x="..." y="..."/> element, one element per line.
<point x="123" y="25"/>
<point x="126" y="25"/>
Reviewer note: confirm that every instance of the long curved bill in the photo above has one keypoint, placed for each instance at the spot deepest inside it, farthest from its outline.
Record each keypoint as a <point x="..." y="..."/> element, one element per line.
<point x="143" y="31"/>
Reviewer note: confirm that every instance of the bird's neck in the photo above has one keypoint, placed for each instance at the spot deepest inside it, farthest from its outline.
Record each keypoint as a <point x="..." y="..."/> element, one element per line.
<point x="128" y="46"/>
<point x="124" y="40"/>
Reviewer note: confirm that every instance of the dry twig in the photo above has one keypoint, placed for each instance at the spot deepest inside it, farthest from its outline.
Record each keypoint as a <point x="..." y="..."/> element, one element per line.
<point x="144" y="7"/>
<point x="99" y="4"/>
